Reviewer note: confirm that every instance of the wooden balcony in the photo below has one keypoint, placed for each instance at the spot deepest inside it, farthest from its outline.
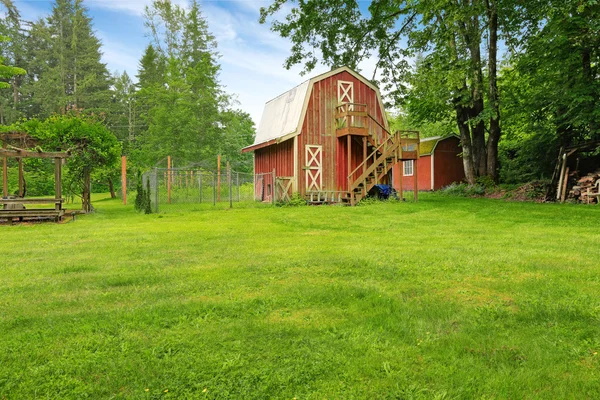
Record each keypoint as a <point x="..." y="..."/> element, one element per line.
<point x="351" y="119"/>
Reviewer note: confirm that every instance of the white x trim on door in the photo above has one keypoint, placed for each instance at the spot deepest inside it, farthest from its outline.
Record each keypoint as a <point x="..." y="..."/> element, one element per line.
<point x="313" y="155"/>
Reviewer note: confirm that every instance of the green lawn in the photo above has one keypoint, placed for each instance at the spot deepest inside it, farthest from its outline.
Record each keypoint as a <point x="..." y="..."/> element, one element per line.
<point x="446" y="298"/>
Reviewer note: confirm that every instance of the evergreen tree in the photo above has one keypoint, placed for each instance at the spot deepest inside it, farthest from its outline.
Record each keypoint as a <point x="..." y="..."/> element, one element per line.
<point x="12" y="52"/>
<point x="123" y="115"/>
<point x="182" y="110"/>
<point x="73" y="76"/>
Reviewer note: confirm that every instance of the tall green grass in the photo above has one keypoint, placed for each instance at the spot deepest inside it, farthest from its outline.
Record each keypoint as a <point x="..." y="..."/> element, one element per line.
<point x="445" y="298"/>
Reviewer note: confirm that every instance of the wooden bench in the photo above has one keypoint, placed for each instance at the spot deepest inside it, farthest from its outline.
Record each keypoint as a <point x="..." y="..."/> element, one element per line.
<point x="15" y="208"/>
<point x="594" y="191"/>
<point x="31" y="201"/>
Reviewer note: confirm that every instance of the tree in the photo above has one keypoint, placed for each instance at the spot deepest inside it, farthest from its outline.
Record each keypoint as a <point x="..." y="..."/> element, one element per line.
<point x="12" y="52"/>
<point x="448" y="37"/>
<point x="8" y="73"/>
<point x="91" y="145"/>
<point x="179" y="88"/>
<point x="550" y="87"/>
<point x="72" y="75"/>
<point x="123" y="115"/>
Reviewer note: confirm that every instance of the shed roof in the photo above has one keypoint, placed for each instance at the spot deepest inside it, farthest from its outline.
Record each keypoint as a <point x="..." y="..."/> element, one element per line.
<point x="429" y="144"/>
<point x="282" y="117"/>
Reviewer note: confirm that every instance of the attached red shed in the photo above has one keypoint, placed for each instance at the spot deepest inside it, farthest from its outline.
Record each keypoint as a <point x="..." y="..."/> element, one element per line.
<point x="328" y="140"/>
<point x="440" y="164"/>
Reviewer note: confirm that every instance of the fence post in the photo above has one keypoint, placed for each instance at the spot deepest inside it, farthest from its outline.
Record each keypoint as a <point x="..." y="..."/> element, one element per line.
<point x="274" y="188"/>
<point x="214" y="189"/>
<point x="229" y="184"/>
<point x="123" y="178"/>
<point x="169" y="178"/>
<point x="237" y="184"/>
<point x="200" y="184"/>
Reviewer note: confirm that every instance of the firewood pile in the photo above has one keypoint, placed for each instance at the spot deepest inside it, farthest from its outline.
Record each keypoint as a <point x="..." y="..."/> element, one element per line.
<point x="587" y="189"/>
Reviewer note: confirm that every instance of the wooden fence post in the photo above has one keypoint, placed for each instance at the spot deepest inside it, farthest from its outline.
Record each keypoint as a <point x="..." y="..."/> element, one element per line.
<point x="124" y="179"/>
<point x="214" y="189"/>
<point x="274" y="188"/>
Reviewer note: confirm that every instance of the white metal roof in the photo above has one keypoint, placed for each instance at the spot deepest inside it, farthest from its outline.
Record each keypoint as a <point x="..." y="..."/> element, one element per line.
<point x="281" y="116"/>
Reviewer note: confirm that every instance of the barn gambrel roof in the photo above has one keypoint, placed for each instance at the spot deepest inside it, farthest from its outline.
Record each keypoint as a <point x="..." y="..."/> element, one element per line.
<point x="282" y="117"/>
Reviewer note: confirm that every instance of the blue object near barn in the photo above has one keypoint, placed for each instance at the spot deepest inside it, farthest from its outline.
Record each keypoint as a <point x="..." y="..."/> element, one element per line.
<point x="382" y="192"/>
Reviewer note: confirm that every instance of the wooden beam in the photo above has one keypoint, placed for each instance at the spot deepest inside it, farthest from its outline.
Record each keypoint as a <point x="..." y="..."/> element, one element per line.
<point x="32" y="154"/>
<point x="415" y="180"/>
<point x="21" y="179"/>
<point x="4" y="173"/>
<point x="124" y="179"/>
<point x="58" y="183"/>
<point x="169" y="177"/>
<point x="348" y="160"/>
<point x="563" y="195"/>
<point x="364" y="153"/>
<point x="31" y="201"/>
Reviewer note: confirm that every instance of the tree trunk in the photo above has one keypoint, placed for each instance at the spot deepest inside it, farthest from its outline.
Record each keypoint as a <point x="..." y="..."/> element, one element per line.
<point x="478" y="130"/>
<point x="588" y="77"/>
<point x="111" y="188"/>
<point x="462" y="118"/>
<point x="495" y="130"/>
<point x="86" y="201"/>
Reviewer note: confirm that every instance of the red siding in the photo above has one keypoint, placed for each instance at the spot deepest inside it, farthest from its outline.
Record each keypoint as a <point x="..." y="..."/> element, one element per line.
<point x="423" y="175"/>
<point x="279" y="157"/>
<point x="447" y="165"/>
<point x="319" y="129"/>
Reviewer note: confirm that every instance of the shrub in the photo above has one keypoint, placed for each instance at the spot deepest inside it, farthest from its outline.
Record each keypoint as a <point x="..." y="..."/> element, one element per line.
<point x="463" y="190"/>
<point x="295" y="201"/>
<point x="147" y="202"/>
<point x="139" y="197"/>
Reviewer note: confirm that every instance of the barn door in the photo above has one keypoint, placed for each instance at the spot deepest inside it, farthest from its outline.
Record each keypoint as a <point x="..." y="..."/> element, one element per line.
<point x="346" y="95"/>
<point x="313" y="155"/>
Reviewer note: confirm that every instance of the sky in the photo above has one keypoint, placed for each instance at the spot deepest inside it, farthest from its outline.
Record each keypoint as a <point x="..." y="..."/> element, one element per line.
<point x="252" y="56"/>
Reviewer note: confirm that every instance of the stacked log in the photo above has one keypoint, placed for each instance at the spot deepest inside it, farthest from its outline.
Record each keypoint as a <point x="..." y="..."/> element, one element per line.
<point x="587" y="188"/>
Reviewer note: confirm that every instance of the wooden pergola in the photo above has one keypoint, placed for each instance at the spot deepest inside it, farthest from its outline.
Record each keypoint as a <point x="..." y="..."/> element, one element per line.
<point x="19" y="145"/>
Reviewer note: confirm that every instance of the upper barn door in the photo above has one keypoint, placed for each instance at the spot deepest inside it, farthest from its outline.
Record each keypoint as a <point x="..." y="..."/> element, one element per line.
<point x="313" y="155"/>
<point x="346" y="95"/>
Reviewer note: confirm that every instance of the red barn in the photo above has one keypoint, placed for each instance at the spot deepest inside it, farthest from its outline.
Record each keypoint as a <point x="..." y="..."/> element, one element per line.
<point x="439" y="165"/>
<point x="328" y="140"/>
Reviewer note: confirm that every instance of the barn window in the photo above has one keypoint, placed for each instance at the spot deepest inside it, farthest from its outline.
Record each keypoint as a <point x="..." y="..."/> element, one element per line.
<point x="268" y="189"/>
<point x="408" y="167"/>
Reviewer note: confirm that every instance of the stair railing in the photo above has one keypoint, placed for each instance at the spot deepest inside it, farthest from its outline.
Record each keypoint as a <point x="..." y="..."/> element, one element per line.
<point x="389" y="144"/>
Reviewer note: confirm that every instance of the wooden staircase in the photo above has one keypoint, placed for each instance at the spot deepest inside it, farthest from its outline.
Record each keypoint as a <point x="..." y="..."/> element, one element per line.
<point x="381" y="151"/>
<point x="372" y="171"/>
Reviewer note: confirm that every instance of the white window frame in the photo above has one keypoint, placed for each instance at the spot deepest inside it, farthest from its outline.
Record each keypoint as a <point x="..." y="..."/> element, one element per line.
<point x="408" y="165"/>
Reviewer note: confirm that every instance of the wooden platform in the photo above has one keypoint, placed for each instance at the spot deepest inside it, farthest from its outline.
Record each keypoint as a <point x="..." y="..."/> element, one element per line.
<point x="15" y="209"/>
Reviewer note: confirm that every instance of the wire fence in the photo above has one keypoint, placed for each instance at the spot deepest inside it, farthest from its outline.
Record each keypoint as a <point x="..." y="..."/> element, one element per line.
<point x="188" y="189"/>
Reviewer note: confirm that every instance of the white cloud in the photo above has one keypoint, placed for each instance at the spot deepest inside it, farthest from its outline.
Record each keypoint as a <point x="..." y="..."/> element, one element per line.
<point x="134" y="7"/>
<point x="118" y="56"/>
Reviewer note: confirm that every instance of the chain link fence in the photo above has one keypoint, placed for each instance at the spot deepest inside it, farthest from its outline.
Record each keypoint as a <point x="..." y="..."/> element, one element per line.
<point x="188" y="189"/>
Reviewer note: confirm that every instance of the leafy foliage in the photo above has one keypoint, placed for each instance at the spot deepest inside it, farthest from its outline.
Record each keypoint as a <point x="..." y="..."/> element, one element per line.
<point x="90" y="143"/>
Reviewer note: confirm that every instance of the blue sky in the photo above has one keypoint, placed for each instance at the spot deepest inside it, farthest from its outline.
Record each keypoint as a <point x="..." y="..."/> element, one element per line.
<point x="252" y="56"/>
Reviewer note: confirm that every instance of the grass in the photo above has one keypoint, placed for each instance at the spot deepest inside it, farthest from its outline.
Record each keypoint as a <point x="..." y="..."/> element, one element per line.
<point x="446" y="298"/>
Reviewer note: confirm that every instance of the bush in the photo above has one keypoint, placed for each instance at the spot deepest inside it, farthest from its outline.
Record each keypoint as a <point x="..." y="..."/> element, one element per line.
<point x="142" y="197"/>
<point x="463" y="190"/>
<point x="295" y="201"/>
